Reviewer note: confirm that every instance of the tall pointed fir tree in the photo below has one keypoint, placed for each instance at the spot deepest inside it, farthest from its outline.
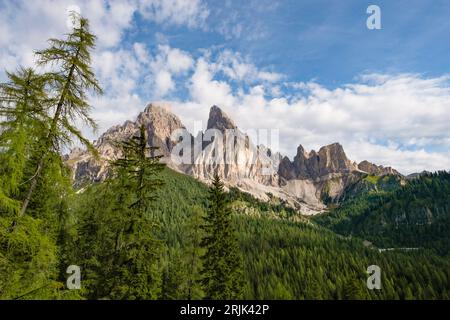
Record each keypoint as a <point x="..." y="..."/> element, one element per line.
<point x="182" y="264"/>
<point x="119" y="246"/>
<point x="72" y="78"/>
<point x="193" y="253"/>
<point x="222" y="260"/>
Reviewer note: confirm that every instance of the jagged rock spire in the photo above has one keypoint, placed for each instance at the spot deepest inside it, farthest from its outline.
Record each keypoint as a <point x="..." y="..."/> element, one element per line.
<point x="219" y="120"/>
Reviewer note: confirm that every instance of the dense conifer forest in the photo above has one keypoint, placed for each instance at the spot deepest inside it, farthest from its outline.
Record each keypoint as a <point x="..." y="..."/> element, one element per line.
<point x="416" y="215"/>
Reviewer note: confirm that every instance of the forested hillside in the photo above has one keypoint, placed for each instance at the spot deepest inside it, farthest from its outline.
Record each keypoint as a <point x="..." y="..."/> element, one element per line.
<point x="285" y="259"/>
<point x="414" y="215"/>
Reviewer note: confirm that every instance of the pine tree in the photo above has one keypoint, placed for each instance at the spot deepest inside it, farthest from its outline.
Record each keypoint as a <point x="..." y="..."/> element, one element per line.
<point x="22" y="119"/>
<point x="69" y="83"/>
<point x="222" y="260"/>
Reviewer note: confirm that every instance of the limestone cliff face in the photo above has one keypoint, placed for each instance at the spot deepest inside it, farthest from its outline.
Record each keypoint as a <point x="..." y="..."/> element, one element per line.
<point x="313" y="165"/>
<point x="219" y="120"/>
<point x="223" y="149"/>
<point x="160" y="123"/>
<point x="230" y="153"/>
<point x="371" y="168"/>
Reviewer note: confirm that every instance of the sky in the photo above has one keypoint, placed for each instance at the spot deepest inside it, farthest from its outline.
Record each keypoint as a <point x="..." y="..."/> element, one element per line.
<point x="308" y="68"/>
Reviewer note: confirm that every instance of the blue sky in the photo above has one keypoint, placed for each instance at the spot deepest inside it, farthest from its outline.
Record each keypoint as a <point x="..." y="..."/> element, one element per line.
<point x="308" y="68"/>
<point x="324" y="40"/>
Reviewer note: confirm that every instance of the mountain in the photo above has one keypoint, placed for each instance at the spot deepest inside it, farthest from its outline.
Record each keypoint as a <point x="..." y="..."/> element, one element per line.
<point x="417" y="175"/>
<point x="330" y="159"/>
<point x="371" y="168"/>
<point x="306" y="183"/>
<point x="282" y="258"/>
<point x="159" y="122"/>
<point x="416" y="214"/>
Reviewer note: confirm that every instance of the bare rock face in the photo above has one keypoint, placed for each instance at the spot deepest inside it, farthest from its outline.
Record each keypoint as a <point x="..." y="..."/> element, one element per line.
<point x="159" y="123"/>
<point x="371" y="168"/>
<point x="330" y="159"/>
<point x="231" y="154"/>
<point x="219" y="120"/>
<point x="223" y="149"/>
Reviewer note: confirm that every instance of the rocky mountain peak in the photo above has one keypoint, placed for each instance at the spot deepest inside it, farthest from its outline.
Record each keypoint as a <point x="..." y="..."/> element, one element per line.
<point x="332" y="158"/>
<point x="371" y="168"/>
<point x="252" y="168"/>
<point x="159" y="117"/>
<point x="302" y="151"/>
<point x="218" y="119"/>
<point x="312" y="165"/>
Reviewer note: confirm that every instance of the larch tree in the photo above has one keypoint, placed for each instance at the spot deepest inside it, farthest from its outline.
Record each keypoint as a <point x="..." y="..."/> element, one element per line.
<point x="70" y="81"/>
<point x="23" y="101"/>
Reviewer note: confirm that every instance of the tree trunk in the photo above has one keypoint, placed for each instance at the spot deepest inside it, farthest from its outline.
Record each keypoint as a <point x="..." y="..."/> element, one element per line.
<point x="32" y="187"/>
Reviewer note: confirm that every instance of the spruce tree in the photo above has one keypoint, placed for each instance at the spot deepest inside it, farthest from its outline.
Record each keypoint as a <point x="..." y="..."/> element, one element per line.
<point x="138" y="169"/>
<point x="117" y="234"/>
<point x="193" y="253"/>
<point x="71" y="79"/>
<point x="222" y="260"/>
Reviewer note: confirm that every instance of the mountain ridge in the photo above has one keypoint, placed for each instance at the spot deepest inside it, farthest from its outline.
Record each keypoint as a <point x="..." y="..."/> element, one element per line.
<point x="303" y="182"/>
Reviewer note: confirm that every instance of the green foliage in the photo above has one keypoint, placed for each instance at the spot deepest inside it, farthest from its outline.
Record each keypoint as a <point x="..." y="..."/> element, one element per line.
<point x="370" y="184"/>
<point x="118" y="250"/>
<point x="287" y="260"/>
<point x="415" y="215"/>
<point x="22" y="105"/>
<point x="70" y="81"/>
<point x="373" y="179"/>
<point x="28" y="260"/>
<point x="151" y="233"/>
<point x="193" y="253"/>
<point x="221" y="263"/>
<point x="33" y="179"/>
<point x="138" y="170"/>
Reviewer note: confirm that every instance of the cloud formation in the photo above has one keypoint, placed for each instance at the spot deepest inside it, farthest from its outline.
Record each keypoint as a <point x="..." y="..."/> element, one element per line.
<point x="393" y="120"/>
<point x="399" y="120"/>
<point x="192" y="13"/>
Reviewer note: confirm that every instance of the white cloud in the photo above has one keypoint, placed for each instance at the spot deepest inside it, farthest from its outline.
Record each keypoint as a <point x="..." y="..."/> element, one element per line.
<point x="166" y="64"/>
<point x="113" y="110"/>
<point x="234" y="66"/>
<point x="141" y="53"/>
<point x="392" y="120"/>
<point x="192" y="13"/>
<point x="177" y="61"/>
<point x="207" y="91"/>
<point x="25" y="26"/>
<point x="164" y="83"/>
<point x="399" y="120"/>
